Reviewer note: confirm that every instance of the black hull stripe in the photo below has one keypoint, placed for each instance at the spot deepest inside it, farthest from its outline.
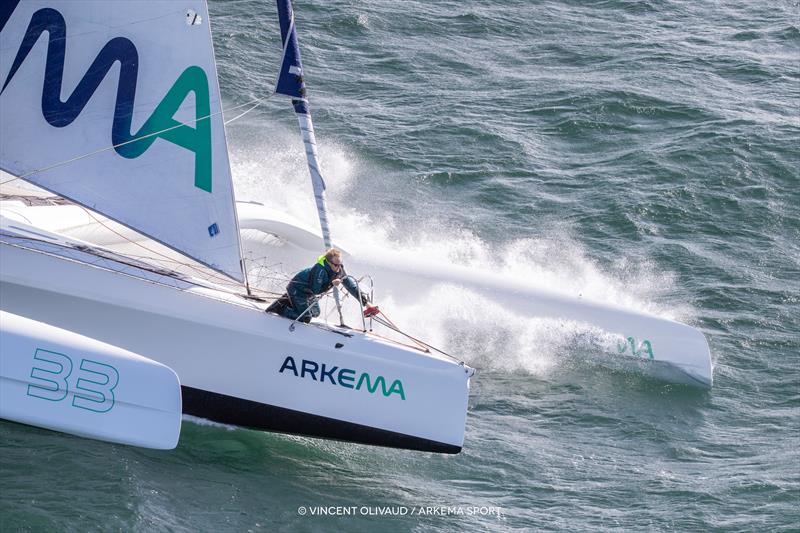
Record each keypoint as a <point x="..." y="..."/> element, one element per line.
<point x="246" y="413"/>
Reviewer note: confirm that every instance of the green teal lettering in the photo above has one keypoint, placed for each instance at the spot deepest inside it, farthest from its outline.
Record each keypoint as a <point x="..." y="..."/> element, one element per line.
<point x="197" y="139"/>
<point x="97" y="386"/>
<point x="51" y="376"/>
<point x="397" y="387"/>
<point x="370" y="386"/>
<point x="648" y="348"/>
<point x="632" y="342"/>
<point x="645" y="349"/>
<point x="622" y="346"/>
<point x="94" y="388"/>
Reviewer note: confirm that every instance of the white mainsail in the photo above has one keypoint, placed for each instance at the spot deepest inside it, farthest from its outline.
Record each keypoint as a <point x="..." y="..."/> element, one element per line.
<point x="116" y="106"/>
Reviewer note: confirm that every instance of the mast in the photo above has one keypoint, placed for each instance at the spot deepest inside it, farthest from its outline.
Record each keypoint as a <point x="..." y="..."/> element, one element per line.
<point x="290" y="83"/>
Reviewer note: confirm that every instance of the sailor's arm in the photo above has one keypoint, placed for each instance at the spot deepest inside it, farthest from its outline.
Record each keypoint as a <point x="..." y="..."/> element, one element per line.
<point x="351" y="285"/>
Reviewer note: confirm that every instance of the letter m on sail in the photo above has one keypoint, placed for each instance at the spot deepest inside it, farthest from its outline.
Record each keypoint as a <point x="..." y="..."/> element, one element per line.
<point x="195" y="137"/>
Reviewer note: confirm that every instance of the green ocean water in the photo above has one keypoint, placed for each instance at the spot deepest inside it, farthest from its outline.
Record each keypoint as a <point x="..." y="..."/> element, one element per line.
<point x="642" y="153"/>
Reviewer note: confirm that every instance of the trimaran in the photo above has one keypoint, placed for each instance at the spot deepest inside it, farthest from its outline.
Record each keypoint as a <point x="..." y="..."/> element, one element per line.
<point x="117" y="109"/>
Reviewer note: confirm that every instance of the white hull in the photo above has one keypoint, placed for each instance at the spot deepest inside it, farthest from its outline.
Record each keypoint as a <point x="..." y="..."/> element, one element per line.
<point x="229" y="354"/>
<point x="659" y="347"/>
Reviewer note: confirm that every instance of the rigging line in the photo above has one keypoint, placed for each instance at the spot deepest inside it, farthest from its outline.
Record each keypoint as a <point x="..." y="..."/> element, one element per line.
<point x="389" y="324"/>
<point x="98" y="261"/>
<point x="384" y="320"/>
<point x="237" y="117"/>
<point x="256" y="102"/>
<point x="208" y="276"/>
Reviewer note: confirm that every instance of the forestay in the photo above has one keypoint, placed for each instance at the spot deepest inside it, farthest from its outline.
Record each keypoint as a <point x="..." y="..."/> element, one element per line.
<point x="127" y="94"/>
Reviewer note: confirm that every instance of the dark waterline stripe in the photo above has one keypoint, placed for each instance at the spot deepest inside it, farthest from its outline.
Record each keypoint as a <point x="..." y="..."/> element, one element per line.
<point x="247" y="413"/>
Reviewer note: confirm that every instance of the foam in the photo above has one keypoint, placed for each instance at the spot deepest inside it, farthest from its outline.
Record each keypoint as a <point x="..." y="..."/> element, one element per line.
<point x="273" y="171"/>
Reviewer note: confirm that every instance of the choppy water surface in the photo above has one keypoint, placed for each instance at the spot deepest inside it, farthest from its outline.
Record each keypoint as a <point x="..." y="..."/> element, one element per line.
<point x="642" y="153"/>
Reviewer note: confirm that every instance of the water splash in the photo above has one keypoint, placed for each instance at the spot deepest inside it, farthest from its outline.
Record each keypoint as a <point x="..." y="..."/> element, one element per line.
<point x="477" y="328"/>
<point x="489" y="336"/>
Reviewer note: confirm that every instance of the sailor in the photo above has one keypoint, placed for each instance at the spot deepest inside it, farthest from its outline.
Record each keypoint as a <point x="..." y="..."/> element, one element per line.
<point x="306" y="286"/>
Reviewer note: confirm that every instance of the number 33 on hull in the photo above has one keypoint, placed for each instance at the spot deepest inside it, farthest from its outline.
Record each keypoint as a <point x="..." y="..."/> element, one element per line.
<point x="60" y="380"/>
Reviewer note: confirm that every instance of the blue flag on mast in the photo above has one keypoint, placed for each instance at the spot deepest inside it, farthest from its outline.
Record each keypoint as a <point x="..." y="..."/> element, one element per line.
<point x="290" y="80"/>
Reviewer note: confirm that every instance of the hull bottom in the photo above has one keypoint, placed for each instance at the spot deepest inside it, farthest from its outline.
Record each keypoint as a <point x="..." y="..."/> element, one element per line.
<point x="247" y="413"/>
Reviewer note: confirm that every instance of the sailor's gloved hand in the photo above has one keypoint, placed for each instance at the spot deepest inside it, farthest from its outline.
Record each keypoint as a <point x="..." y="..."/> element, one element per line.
<point x="364" y="300"/>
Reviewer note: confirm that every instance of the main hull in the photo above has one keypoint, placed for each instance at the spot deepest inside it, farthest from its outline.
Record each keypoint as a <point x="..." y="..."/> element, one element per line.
<point x="655" y="346"/>
<point x="241" y="366"/>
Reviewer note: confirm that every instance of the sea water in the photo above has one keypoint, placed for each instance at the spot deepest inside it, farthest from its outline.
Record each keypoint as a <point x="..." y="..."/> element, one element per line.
<point x="640" y="153"/>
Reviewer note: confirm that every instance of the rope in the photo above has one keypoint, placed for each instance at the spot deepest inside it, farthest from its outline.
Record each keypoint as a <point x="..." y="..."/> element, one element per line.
<point x="384" y="320"/>
<point x="257" y="103"/>
<point x="387" y="322"/>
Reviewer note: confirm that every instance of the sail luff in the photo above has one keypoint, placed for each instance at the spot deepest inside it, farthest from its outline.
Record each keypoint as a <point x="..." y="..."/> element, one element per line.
<point x="244" y="280"/>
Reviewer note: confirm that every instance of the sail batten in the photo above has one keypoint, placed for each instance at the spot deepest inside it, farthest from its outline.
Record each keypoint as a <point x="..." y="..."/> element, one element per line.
<point x="133" y="108"/>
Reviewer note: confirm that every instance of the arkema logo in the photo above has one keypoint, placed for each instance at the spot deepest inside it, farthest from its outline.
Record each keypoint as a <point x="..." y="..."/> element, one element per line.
<point x="160" y="124"/>
<point x="343" y="377"/>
